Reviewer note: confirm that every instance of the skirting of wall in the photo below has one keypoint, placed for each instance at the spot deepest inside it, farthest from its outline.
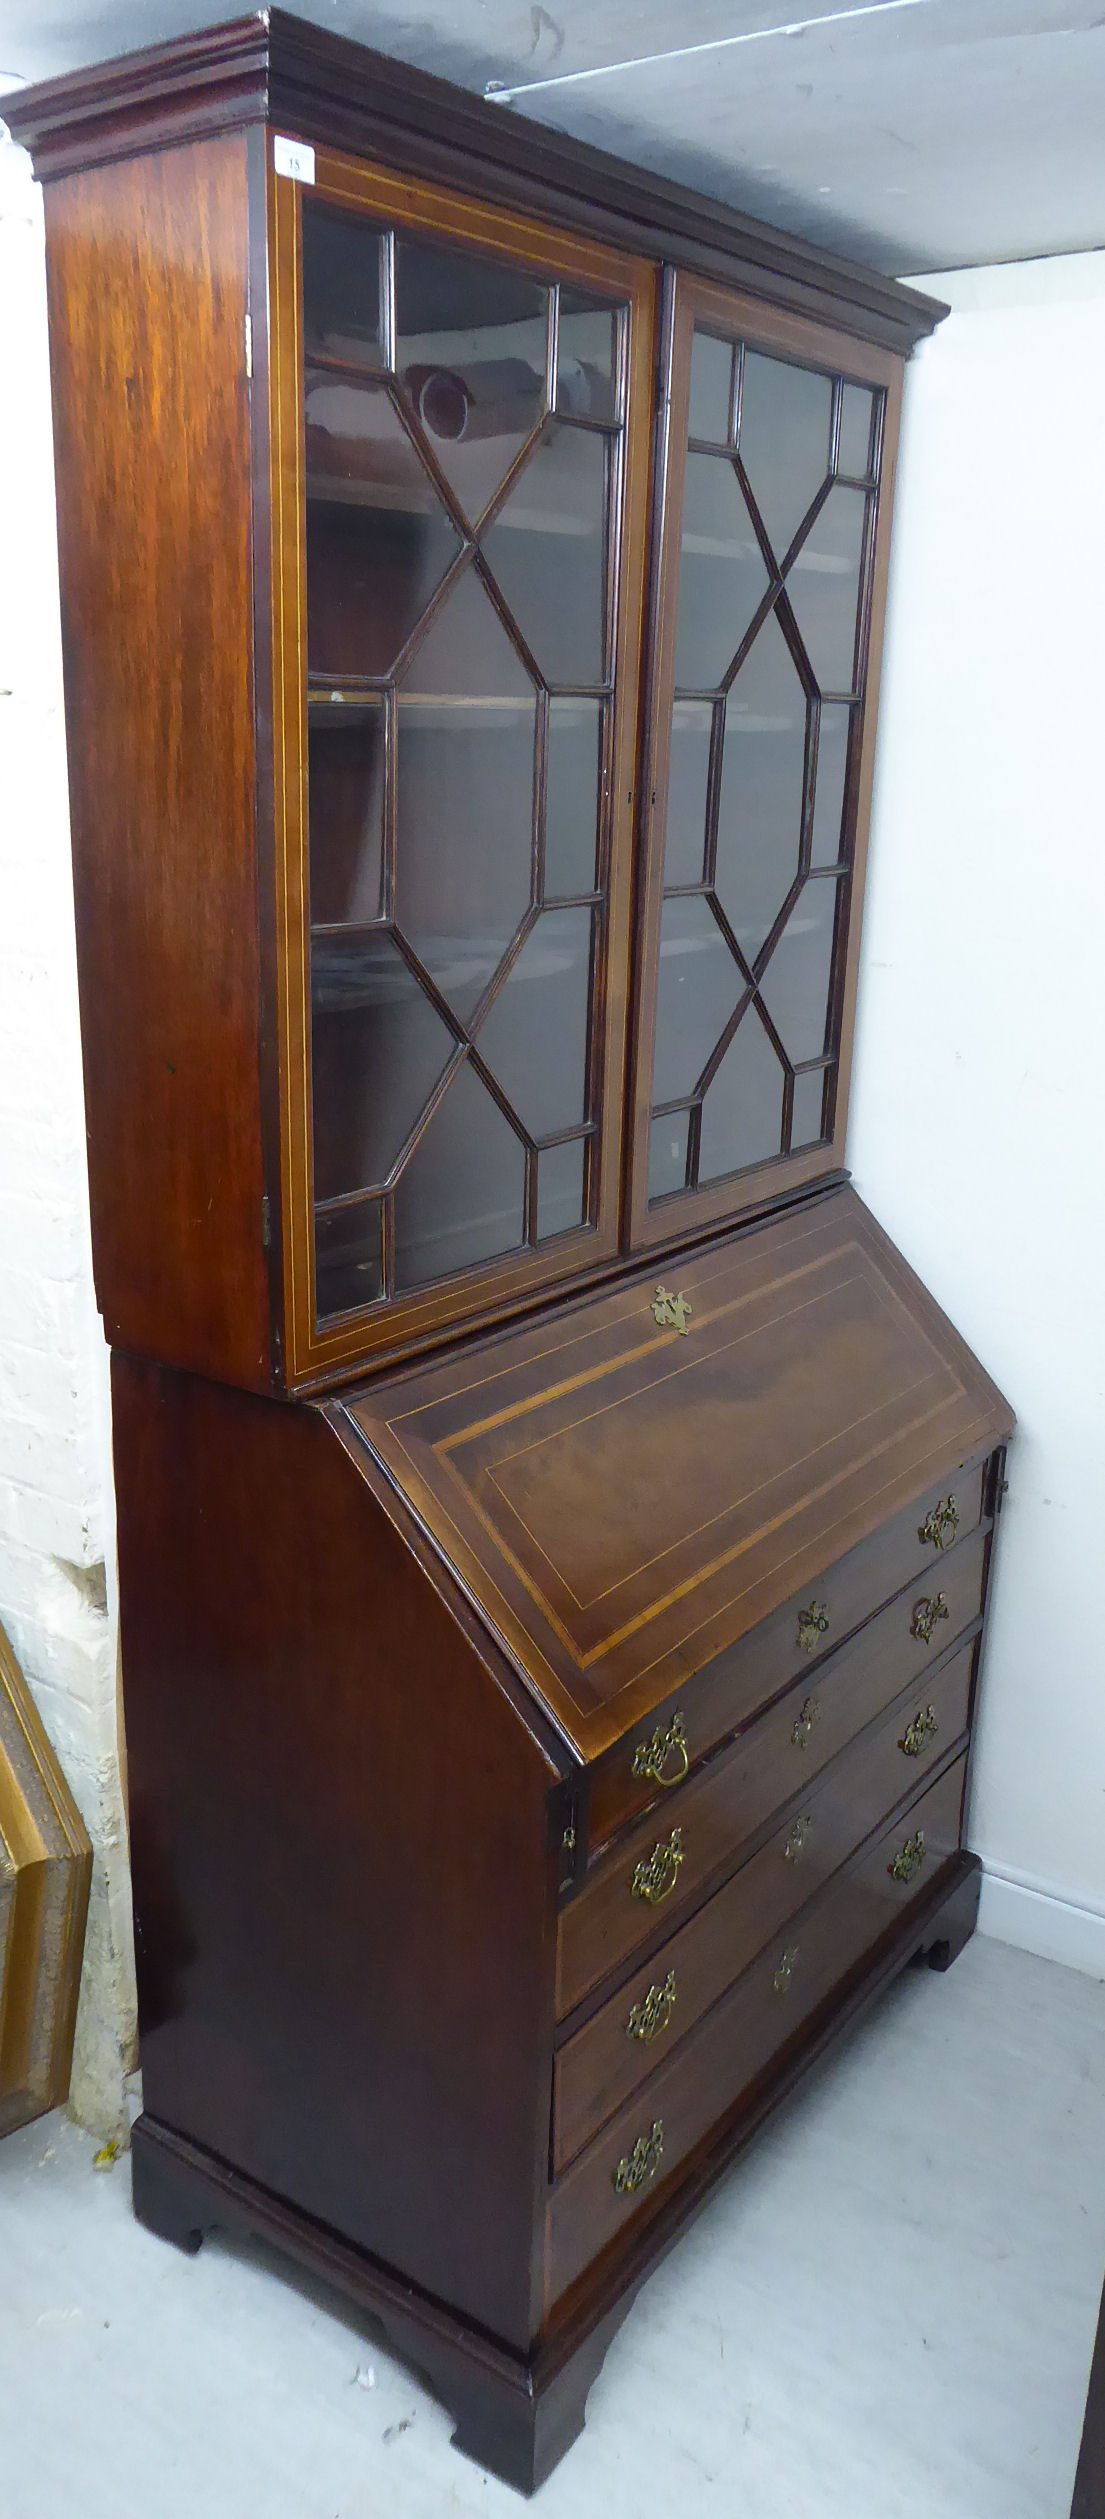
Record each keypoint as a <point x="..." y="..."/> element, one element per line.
<point x="1047" y="1926"/>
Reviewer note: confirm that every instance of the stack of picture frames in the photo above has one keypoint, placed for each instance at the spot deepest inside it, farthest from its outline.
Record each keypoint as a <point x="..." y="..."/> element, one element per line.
<point x="45" y="1867"/>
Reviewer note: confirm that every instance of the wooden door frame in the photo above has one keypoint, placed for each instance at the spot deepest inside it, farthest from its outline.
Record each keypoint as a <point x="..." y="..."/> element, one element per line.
<point x="695" y="301"/>
<point x="407" y="1322"/>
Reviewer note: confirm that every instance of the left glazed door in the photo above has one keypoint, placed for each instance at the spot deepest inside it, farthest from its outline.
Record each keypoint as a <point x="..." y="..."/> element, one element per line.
<point x="461" y="424"/>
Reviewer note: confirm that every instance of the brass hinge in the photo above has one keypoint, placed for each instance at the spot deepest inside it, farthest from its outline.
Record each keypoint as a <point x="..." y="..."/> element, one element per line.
<point x="266" y="1223"/>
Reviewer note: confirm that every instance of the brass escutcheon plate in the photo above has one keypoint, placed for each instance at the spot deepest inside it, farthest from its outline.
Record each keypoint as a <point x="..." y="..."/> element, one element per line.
<point x="813" y="1623"/>
<point x="642" y="2163"/>
<point x="908" y="1860"/>
<point x="651" y="2015"/>
<point x="651" y="1758"/>
<point x="656" y="1878"/>
<point x="924" y="1727"/>
<point x="927" y="1614"/>
<point x="939" y="1527"/>
<point x="803" y="1724"/>
<point x="670" y="1311"/>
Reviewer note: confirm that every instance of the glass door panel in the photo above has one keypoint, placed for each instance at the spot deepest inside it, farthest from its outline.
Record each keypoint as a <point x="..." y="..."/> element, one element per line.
<point x="464" y="420"/>
<point x="346" y="783"/>
<point x="766" y="577"/>
<point x="471" y="355"/>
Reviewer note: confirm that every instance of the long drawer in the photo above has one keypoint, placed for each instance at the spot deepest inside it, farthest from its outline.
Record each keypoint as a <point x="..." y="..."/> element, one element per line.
<point x="646" y="1880"/>
<point x="727" y="1692"/>
<point x="617" y="2049"/>
<point x="751" y="2029"/>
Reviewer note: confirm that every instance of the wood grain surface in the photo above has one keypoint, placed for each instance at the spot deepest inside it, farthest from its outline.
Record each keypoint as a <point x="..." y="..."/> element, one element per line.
<point x="147" y="269"/>
<point x="626" y="1501"/>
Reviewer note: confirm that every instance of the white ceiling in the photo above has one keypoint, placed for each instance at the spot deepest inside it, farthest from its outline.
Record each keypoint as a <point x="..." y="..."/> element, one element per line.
<point x="919" y="135"/>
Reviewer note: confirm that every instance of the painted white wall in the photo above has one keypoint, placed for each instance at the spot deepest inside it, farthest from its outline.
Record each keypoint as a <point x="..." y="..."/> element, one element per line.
<point x="978" y="1118"/>
<point x="57" y="1555"/>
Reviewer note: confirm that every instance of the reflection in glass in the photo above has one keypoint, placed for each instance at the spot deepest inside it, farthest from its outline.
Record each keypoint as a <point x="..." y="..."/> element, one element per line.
<point x="587" y="357"/>
<point x="534" y="1036"/>
<point x="471" y="356"/>
<point x="709" y="409"/>
<point x="348" y="1258"/>
<point x="853" y="454"/>
<point x="358" y="452"/>
<point x="742" y="1111"/>
<point x="377" y="1048"/>
<point x="346" y="790"/>
<point x="341" y="286"/>
<point x="667" y="1154"/>
<point x="795" y="985"/>
<point x="464" y="795"/>
<point x="467" y="652"/>
<point x="823" y="586"/>
<point x="461" y="1196"/>
<point x="698" y="985"/>
<point x="572" y="797"/>
<point x="784" y="441"/>
<point x="806" y="1117"/>
<point x="692" y="723"/>
<point x="378" y="538"/>
<point x="464" y="815"/>
<point x="832" y="771"/>
<point x="762" y="788"/>
<point x="722" y="573"/>
<point x="546" y="548"/>
<point x="560" y="1187"/>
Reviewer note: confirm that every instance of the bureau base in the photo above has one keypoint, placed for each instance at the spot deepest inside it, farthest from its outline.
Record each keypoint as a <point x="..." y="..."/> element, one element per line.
<point x="517" y="2417"/>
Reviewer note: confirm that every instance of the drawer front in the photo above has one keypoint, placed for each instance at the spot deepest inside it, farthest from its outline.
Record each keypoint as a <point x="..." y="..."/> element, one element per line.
<point x="626" y="2169"/>
<point x="657" y="1871"/>
<point x="712" y="1705"/>
<point x="615" y="2051"/>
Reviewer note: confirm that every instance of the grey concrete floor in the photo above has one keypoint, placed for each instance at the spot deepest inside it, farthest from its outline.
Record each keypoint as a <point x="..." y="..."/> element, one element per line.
<point x="889" y="2309"/>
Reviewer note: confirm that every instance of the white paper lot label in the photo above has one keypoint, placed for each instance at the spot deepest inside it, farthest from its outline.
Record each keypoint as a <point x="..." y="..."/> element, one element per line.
<point x="294" y="158"/>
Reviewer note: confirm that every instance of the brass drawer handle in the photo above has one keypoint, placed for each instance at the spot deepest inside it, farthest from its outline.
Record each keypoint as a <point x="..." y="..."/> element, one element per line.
<point x="671" y="1311"/>
<point x="647" y="2019"/>
<point x="924" y="1727"/>
<point x="795" y="1845"/>
<point x="813" y="1623"/>
<point x="939" y="1527"/>
<point x="804" y="1723"/>
<point x="785" y="1971"/>
<point x="908" y="1859"/>
<point x="926" y="1614"/>
<point x="642" y="2163"/>
<point x="656" y="1878"/>
<point x="651" y="1757"/>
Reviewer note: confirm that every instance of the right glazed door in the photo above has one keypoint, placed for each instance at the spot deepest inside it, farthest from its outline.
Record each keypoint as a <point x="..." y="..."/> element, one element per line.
<point x="778" y="462"/>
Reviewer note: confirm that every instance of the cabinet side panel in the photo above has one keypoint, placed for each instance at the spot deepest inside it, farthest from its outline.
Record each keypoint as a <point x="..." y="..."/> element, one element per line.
<point x="148" y="274"/>
<point x="343" y="1887"/>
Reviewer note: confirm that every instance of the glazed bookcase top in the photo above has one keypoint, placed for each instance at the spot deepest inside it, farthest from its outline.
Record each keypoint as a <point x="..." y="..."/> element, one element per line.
<point x="469" y="807"/>
<point x="300" y="78"/>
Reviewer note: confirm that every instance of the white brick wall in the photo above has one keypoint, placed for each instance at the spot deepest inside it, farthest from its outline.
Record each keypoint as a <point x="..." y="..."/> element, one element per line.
<point x="57" y="1584"/>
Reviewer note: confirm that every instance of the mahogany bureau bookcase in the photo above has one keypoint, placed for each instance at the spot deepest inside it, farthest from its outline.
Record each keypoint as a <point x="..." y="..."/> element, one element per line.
<point x="554" y="1523"/>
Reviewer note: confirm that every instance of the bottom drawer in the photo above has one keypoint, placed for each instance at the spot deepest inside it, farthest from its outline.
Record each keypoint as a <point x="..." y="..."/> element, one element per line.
<point x="645" y="2143"/>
